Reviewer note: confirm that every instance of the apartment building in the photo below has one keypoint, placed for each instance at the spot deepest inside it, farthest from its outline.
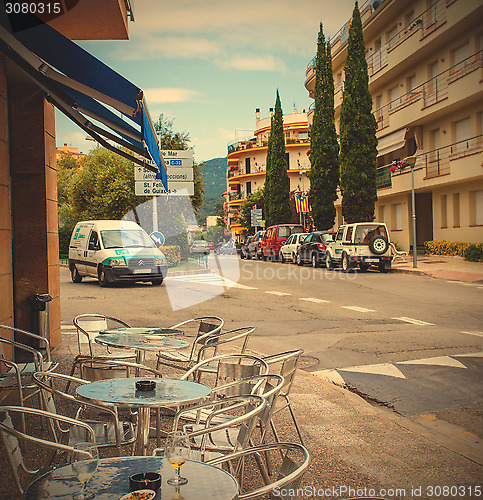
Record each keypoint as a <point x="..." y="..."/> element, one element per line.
<point x="247" y="162"/>
<point x="426" y="79"/>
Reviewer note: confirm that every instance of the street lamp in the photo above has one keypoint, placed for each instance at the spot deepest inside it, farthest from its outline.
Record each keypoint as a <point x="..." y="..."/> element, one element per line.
<point x="411" y="160"/>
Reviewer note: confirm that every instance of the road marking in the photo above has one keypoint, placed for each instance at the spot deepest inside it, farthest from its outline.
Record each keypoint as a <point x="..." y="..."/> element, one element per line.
<point x="330" y="376"/>
<point x="414" y="321"/>
<point x="281" y="294"/>
<point x="439" y="361"/>
<point x="209" y="279"/>
<point x="387" y="369"/>
<point x="472" y="355"/>
<point x="313" y="299"/>
<point x="478" y="334"/>
<point x="358" y="309"/>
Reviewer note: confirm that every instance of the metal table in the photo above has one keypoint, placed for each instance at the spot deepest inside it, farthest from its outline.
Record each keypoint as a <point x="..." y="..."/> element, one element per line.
<point x="111" y="480"/>
<point x="142" y="340"/>
<point x="123" y="392"/>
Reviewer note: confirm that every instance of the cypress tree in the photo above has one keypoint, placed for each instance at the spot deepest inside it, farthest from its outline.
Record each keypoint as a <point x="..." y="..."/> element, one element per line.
<point x="268" y="179"/>
<point x="358" y="142"/>
<point x="278" y="198"/>
<point x="324" y="148"/>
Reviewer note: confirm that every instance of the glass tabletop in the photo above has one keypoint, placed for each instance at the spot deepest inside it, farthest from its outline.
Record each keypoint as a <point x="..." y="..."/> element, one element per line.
<point x="111" y="480"/>
<point x="151" y="342"/>
<point x="122" y="391"/>
<point x="144" y="331"/>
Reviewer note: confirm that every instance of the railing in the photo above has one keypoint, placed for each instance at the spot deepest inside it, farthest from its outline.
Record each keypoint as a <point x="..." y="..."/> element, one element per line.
<point x="430" y="92"/>
<point x="236" y="196"/>
<point x="200" y="259"/>
<point x="233" y="173"/>
<point x="377" y="60"/>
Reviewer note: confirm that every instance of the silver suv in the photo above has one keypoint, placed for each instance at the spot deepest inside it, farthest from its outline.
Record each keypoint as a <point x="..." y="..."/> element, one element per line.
<point x="363" y="244"/>
<point x="200" y="246"/>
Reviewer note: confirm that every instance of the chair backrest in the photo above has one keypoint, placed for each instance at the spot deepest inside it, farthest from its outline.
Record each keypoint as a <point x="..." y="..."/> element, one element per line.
<point x="43" y="343"/>
<point x="11" y="436"/>
<point x="197" y="327"/>
<point x="288" y="362"/>
<point x="289" y="475"/>
<point x="88" y="327"/>
<point x="93" y="369"/>
<point x="213" y="341"/>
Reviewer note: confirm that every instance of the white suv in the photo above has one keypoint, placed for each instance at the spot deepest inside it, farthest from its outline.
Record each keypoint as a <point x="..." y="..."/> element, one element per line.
<point x="362" y="244"/>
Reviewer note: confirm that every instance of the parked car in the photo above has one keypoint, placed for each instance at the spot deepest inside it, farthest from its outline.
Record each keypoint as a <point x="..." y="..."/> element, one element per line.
<point x="199" y="246"/>
<point x="288" y="251"/>
<point x="228" y="248"/>
<point x="363" y="244"/>
<point x="210" y="245"/>
<point x="255" y="245"/>
<point x="244" y="253"/>
<point x="313" y="249"/>
<point x="275" y="237"/>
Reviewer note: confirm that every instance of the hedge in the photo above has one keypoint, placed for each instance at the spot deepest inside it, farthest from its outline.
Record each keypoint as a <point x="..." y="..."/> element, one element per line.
<point x="172" y="254"/>
<point x="470" y="251"/>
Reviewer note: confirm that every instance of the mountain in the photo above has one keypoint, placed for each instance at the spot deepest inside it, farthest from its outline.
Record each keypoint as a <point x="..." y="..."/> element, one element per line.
<point x="214" y="175"/>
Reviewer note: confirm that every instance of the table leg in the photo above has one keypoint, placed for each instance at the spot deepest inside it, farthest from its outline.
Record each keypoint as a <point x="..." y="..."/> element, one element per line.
<point x="141" y="444"/>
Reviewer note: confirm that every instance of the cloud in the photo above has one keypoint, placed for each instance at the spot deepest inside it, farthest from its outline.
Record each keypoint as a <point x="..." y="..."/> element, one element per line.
<point x="254" y="63"/>
<point x="169" y="95"/>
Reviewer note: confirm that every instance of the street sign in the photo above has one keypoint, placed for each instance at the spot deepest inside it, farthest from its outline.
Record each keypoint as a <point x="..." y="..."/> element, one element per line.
<point x="158" y="238"/>
<point x="256" y="216"/>
<point x="174" y="174"/>
<point x="155" y="188"/>
<point x="177" y="153"/>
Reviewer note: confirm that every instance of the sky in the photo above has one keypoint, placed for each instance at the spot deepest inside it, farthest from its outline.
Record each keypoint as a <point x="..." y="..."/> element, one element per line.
<point x="208" y="64"/>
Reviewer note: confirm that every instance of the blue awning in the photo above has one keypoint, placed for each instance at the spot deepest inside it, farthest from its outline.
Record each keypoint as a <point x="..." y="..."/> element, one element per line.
<point x="80" y="85"/>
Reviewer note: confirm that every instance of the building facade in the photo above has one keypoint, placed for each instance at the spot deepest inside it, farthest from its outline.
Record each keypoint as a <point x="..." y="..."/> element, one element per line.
<point x="29" y="243"/>
<point x="426" y="78"/>
<point x="247" y="162"/>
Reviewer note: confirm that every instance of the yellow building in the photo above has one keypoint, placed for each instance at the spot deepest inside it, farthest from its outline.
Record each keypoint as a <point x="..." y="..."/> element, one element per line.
<point x="67" y="150"/>
<point x="426" y="79"/>
<point x="247" y="161"/>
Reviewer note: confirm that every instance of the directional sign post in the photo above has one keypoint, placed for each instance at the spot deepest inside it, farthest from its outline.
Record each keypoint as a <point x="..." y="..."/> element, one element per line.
<point x="256" y="217"/>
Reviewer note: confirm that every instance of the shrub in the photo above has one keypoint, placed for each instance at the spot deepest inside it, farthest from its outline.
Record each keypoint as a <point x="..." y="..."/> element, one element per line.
<point x="65" y="233"/>
<point x="172" y="255"/>
<point x="455" y="248"/>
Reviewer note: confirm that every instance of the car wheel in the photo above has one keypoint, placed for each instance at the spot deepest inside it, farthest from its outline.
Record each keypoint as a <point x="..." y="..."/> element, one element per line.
<point x="74" y="275"/>
<point x="103" y="281"/>
<point x="346" y="267"/>
<point x="328" y="262"/>
<point x="282" y="258"/>
<point x="315" y="260"/>
<point x="157" y="282"/>
<point x="259" y="257"/>
<point x="382" y="268"/>
<point x="299" y="260"/>
<point x="241" y="255"/>
<point x="378" y="244"/>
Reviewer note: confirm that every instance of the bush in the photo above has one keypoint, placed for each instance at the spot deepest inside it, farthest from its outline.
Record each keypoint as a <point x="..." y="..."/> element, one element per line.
<point x="455" y="248"/>
<point x="172" y="255"/>
<point x="65" y="233"/>
<point x="474" y="252"/>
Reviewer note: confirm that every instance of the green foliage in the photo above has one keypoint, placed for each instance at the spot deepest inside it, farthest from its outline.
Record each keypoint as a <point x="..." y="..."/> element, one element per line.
<point x="470" y="251"/>
<point x="358" y="142"/>
<point x="172" y="255"/>
<point x="474" y="252"/>
<point x="324" y="148"/>
<point x="214" y="177"/>
<point x="277" y="202"/>
<point x="215" y="233"/>
<point x="244" y="214"/>
<point x="65" y="233"/>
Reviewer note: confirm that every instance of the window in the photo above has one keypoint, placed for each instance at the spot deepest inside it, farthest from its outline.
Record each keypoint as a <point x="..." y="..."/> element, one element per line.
<point x="247" y="165"/>
<point x="410" y="83"/>
<point x="409" y="18"/>
<point x="432" y="73"/>
<point x="444" y="211"/>
<point x="348" y="236"/>
<point x="461" y="53"/>
<point x="434" y="144"/>
<point x="391" y="33"/>
<point x="93" y="241"/>
<point x="397" y="217"/>
<point x="432" y="12"/>
<point x="393" y="96"/>
<point x="249" y="188"/>
<point x="303" y="135"/>
<point x="456" y="210"/>
<point x="476" y="207"/>
<point x="340" y="233"/>
<point x="382" y="214"/>
<point x="462" y="131"/>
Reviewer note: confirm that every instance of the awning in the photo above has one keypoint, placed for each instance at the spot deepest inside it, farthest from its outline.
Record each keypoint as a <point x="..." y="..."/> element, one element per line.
<point x="391" y="142"/>
<point x="80" y="86"/>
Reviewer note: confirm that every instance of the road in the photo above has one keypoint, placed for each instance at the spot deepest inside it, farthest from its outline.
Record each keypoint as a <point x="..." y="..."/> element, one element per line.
<point x="408" y="342"/>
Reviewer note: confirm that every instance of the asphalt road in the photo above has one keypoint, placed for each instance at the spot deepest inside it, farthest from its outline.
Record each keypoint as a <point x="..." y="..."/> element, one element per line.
<point x="408" y="342"/>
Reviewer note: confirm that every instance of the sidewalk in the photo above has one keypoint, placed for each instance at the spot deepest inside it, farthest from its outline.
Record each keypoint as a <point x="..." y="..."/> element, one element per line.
<point x="441" y="266"/>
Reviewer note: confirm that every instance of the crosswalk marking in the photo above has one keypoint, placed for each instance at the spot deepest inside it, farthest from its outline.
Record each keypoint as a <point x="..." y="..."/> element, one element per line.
<point x="313" y="299"/>
<point x="358" y="309"/>
<point x="478" y="334"/>
<point x="209" y="279"/>
<point x="439" y="361"/>
<point x="414" y="321"/>
<point x="281" y="294"/>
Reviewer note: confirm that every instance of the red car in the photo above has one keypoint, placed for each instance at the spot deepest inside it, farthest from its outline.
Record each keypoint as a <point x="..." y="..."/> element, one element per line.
<point x="275" y="237"/>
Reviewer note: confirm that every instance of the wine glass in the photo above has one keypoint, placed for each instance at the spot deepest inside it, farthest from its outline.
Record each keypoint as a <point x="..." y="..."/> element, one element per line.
<point x="84" y="463"/>
<point x="177" y="450"/>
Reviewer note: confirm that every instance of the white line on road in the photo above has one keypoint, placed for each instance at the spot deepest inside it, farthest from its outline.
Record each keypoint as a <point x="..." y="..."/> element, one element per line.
<point x="478" y="334"/>
<point x="313" y="299"/>
<point x="414" y="321"/>
<point x="358" y="309"/>
<point x="279" y="293"/>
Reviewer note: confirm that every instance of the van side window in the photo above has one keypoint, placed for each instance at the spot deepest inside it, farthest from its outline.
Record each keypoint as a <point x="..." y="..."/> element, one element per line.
<point x="93" y="241"/>
<point x="348" y="236"/>
<point x="339" y="234"/>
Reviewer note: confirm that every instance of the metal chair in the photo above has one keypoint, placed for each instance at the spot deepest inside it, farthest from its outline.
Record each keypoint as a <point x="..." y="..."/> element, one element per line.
<point x="88" y="327"/>
<point x="289" y="475"/>
<point x="109" y="431"/>
<point x="18" y="375"/>
<point x="11" y="436"/>
<point x="288" y="362"/>
<point x="199" y="328"/>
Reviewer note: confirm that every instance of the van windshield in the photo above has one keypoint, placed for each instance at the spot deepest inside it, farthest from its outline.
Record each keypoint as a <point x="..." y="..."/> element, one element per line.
<point x="125" y="238"/>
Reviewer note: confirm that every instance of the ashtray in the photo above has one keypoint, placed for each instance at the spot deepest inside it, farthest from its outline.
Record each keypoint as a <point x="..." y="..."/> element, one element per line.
<point x="145" y="385"/>
<point x="145" y="480"/>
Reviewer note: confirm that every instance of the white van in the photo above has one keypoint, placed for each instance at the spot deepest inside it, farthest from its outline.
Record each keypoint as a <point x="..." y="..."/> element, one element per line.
<point x="113" y="250"/>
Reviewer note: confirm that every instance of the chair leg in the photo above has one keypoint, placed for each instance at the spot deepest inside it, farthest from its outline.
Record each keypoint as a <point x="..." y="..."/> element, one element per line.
<point x="295" y="422"/>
